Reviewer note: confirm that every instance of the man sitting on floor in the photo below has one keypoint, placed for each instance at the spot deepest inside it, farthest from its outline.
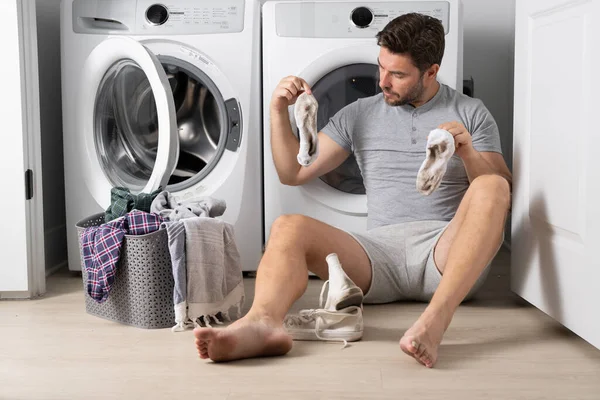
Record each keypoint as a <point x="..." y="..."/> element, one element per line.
<point x="434" y="248"/>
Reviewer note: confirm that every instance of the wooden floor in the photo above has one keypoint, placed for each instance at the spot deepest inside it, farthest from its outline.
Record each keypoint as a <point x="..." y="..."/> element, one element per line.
<point x="497" y="347"/>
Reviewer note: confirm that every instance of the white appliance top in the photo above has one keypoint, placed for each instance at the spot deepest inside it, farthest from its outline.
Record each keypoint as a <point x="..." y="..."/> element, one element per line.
<point x="313" y="19"/>
<point x="153" y="17"/>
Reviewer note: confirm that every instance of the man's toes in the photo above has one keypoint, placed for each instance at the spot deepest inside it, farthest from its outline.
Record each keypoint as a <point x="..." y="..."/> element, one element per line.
<point x="204" y="334"/>
<point x="426" y="359"/>
<point x="421" y="354"/>
<point x="414" y="346"/>
<point x="422" y="350"/>
<point x="203" y="351"/>
<point x="410" y="347"/>
<point x="419" y="360"/>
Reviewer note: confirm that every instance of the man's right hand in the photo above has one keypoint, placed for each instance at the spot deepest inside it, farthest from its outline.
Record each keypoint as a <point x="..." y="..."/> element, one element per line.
<point x="287" y="91"/>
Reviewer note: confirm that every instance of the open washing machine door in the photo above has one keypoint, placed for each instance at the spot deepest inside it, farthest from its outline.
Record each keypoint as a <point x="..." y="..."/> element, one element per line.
<point x="127" y="120"/>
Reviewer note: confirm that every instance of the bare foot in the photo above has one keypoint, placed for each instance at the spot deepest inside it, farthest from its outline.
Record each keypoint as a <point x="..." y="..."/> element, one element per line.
<point x="245" y="338"/>
<point x="422" y="340"/>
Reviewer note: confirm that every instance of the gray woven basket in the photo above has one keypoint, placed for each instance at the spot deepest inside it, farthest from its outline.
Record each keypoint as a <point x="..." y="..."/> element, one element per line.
<point x="142" y="293"/>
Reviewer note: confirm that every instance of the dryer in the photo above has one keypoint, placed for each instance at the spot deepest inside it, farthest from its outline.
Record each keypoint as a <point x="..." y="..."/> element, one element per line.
<point x="331" y="44"/>
<point x="163" y="96"/>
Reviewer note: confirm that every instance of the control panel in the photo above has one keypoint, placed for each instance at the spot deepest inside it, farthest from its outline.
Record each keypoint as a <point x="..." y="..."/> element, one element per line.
<point x="190" y="16"/>
<point x="158" y="17"/>
<point x="351" y="19"/>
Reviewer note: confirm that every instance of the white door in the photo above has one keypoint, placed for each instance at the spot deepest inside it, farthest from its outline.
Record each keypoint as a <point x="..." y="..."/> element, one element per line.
<point x="556" y="205"/>
<point x="127" y="121"/>
<point x="22" y="272"/>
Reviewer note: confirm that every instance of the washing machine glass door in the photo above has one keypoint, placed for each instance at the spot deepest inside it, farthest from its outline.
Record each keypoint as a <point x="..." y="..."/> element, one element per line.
<point x="337" y="79"/>
<point x="128" y="120"/>
<point x="333" y="92"/>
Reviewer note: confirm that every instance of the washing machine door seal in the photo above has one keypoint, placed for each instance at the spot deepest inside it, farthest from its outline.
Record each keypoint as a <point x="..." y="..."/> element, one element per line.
<point x="123" y="143"/>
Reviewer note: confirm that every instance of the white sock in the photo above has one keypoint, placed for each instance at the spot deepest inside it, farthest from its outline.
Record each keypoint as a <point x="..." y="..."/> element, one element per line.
<point x="440" y="148"/>
<point x="305" y="113"/>
<point x="343" y="292"/>
<point x="337" y="275"/>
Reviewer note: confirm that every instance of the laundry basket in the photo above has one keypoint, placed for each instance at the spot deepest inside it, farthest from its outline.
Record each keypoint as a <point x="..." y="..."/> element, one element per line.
<point x="142" y="293"/>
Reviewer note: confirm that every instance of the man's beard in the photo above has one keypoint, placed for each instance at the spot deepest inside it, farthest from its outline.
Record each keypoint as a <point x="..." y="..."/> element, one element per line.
<point x="415" y="93"/>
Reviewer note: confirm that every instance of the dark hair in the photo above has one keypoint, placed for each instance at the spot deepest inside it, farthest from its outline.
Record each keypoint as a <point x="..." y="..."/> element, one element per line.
<point x="420" y="36"/>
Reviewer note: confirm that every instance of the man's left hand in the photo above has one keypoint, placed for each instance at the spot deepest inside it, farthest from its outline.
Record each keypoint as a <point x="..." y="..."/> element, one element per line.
<point x="462" y="138"/>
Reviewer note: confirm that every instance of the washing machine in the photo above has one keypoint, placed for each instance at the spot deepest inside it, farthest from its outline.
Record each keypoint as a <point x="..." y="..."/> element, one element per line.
<point x="331" y="44"/>
<point x="163" y="95"/>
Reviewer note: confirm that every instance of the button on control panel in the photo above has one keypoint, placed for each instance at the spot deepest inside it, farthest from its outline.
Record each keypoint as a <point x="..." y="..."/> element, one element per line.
<point x="157" y="14"/>
<point x="362" y="17"/>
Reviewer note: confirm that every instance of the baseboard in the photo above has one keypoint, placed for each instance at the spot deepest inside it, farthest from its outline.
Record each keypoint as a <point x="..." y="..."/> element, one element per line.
<point x="4" y="296"/>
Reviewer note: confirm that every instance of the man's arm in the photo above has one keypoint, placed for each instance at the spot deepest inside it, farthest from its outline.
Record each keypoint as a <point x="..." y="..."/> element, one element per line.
<point x="486" y="162"/>
<point x="285" y="145"/>
<point x="476" y="163"/>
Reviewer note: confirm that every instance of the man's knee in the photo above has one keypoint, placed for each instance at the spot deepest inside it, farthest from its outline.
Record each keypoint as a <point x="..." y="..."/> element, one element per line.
<point x="289" y="228"/>
<point x="492" y="188"/>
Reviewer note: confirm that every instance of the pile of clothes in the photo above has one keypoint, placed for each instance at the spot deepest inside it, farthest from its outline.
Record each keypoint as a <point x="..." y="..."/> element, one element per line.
<point x="205" y="259"/>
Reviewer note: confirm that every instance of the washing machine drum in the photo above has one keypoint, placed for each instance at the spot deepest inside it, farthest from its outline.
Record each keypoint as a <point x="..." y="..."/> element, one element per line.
<point x="126" y="131"/>
<point x="334" y="91"/>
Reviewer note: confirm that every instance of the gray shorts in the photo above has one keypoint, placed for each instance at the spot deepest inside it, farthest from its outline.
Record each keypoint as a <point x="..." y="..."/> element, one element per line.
<point x="402" y="261"/>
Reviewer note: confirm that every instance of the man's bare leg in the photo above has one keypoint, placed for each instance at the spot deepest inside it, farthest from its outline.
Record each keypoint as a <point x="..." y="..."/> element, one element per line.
<point x="464" y="250"/>
<point x="296" y="243"/>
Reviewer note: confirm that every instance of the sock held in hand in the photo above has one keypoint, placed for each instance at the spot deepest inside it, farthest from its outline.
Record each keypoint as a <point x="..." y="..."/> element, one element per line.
<point x="305" y="113"/>
<point x="440" y="147"/>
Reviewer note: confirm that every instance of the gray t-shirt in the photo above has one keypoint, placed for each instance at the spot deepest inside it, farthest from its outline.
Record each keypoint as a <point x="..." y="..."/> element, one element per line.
<point x="389" y="145"/>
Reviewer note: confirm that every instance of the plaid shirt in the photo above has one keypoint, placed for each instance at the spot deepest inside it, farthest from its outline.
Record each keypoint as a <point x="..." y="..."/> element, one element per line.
<point x="102" y="248"/>
<point x="122" y="201"/>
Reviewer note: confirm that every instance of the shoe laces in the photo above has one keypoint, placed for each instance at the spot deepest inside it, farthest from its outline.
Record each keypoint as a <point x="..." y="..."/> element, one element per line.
<point x="317" y="315"/>
<point x="322" y="298"/>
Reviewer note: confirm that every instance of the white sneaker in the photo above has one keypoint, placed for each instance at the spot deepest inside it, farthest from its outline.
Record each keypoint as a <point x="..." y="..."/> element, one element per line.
<point x="342" y="293"/>
<point x="339" y="319"/>
<point x="344" y="325"/>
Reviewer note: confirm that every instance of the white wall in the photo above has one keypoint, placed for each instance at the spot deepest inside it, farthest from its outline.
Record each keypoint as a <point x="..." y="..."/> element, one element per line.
<point x="48" y="27"/>
<point x="489" y="37"/>
<point x="489" y="27"/>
